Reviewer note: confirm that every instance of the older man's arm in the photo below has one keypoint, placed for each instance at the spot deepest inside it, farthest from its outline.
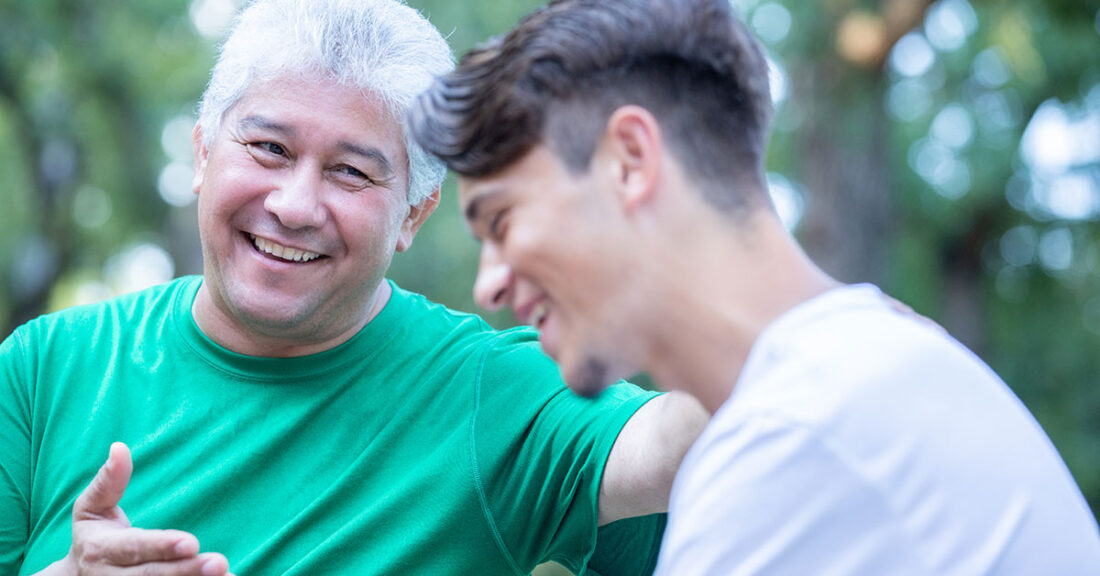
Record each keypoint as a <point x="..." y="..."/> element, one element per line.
<point x="638" y="476"/>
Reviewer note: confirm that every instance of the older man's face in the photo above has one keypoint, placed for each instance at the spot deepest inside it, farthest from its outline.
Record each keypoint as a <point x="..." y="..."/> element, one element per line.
<point x="302" y="203"/>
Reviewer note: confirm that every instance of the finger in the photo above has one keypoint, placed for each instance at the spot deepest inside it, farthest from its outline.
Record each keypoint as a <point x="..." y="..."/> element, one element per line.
<point x="214" y="564"/>
<point x="101" y="497"/>
<point x="134" y="547"/>
<point x="202" y="565"/>
<point x="106" y="489"/>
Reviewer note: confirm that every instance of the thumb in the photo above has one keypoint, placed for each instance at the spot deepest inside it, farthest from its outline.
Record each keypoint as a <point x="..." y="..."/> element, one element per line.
<point x="100" y="499"/>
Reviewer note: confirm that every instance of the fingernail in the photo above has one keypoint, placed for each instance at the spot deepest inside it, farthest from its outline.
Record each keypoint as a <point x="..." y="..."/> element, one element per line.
<point x="213" y="567"/>
<point x="187" y="547"/>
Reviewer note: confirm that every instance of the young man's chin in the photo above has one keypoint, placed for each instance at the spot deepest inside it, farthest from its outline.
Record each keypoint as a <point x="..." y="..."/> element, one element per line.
<point x="590" y="377"/>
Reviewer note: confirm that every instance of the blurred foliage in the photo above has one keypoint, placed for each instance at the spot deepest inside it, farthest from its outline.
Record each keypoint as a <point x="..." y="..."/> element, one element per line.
<point x="948" y="151"/>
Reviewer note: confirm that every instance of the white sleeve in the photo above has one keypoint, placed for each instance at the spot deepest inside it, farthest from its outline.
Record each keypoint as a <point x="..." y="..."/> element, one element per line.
<point x="768" y="497"/>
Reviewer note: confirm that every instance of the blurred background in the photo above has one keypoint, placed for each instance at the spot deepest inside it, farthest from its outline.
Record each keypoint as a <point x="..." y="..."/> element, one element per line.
<point x="948" y="151"/>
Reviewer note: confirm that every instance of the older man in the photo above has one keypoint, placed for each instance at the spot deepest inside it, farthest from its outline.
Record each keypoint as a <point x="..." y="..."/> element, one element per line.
<point x="293" y="410"/>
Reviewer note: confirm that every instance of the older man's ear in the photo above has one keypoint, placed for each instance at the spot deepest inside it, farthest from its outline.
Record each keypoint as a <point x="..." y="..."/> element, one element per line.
<point x="418" y="214"/>
<point x="201" y="154"/>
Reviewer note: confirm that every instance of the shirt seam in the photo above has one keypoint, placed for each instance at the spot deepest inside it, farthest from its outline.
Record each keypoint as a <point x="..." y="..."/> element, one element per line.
<point x="483" y="500"/>
<point x="26" y="369"/>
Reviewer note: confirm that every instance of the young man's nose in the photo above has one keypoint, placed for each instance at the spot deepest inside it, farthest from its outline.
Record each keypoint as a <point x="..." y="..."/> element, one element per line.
<point x="493" y="287"/>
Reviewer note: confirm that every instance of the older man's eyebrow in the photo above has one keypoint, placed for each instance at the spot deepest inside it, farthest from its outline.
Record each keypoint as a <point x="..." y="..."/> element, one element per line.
<point x="370" y="153"/>
<point x="261" y="123"/>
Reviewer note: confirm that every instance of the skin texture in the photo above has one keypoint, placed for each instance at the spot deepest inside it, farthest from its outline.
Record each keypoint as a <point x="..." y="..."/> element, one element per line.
<point x="543" y="255"/>
<point x="626" y="267"/>
<point x="643" y="462"/>
<point x="333" y="185"/>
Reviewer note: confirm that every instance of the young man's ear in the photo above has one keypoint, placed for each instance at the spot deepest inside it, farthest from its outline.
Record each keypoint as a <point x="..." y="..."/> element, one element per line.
<point x="201" y="153"/>
<point x="634" y="144"/>
<point x="417" y="215"/>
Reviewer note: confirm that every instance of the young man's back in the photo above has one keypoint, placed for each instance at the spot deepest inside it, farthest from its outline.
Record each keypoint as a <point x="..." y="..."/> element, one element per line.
<point x="874" y="444"/>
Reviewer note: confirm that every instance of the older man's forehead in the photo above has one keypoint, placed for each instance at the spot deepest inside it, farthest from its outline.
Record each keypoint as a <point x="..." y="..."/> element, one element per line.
<point x="259" y="108"/>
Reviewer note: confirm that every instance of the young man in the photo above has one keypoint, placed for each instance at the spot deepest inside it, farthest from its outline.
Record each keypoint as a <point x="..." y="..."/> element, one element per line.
<point x="291" y="409"/>
<point x="611" y="161"/>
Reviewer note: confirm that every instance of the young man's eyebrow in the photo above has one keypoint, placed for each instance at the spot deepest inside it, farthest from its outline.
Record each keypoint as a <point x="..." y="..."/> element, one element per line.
<point x="472" y="209"/>
<point x="475" y="208"/>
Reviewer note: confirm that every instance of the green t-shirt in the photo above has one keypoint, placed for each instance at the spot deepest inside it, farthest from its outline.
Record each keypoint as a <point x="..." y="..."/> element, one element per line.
<point x="427" y="444"/>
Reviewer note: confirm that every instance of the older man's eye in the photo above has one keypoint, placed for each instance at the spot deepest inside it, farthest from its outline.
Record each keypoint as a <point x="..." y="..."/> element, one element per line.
<point x="267" y="148"/>
<point x="272" y="148"/>
<point x="353" y="176"/>
<point x="348" y="170"/>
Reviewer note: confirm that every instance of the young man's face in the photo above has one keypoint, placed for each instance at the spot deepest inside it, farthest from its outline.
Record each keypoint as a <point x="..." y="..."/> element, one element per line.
<point x="549" y="251"/>
<point x="302" y="203"/>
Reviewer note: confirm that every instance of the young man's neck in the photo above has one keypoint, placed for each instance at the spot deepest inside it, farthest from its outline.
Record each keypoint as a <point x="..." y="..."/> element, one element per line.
<point x="719" y="296"/>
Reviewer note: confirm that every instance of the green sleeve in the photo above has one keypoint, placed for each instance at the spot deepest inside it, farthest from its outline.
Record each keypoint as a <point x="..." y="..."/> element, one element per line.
<point x="540" y="452"/>
<point x="15" y="457"/>
<point x="627" y="547"/>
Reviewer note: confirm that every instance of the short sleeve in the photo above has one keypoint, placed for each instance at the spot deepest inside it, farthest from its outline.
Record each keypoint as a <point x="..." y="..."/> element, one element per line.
<point x="626" y="547"/>
<point x="15" y="459"/>
<point x="540" y="452"/>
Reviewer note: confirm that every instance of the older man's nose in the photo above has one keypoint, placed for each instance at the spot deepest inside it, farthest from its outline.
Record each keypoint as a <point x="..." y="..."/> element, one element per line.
<point x="297" y="203"/>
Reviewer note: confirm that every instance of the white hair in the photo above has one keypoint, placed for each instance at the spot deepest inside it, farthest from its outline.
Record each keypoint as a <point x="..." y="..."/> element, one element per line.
<point x="382" y="47"/>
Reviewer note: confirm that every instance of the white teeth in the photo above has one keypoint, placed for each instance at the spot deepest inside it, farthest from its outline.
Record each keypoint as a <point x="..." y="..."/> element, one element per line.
<point x="538" y="314"/>
<point x="280" y="251"/>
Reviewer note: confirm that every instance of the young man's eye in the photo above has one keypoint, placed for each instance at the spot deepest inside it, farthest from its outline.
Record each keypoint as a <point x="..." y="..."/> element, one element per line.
<point x="497" y="226"/>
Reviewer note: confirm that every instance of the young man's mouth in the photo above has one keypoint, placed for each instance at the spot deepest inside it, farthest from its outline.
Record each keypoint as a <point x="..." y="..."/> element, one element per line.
<point x="538" y="315"/>
<point x="532" y="314"/>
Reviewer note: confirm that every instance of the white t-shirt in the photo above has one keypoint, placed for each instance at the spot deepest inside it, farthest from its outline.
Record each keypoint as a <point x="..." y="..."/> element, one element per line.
<point x="863" y="440"/>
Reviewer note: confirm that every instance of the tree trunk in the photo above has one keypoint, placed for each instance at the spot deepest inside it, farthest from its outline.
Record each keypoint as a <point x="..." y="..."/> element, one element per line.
<point x="845" y="169"/>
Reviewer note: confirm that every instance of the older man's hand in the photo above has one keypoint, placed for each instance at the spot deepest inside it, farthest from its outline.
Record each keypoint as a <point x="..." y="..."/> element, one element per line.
<point x="104" y="542"/>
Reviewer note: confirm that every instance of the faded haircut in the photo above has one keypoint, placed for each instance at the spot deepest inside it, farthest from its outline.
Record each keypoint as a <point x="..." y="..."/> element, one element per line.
<point x="559" y="75"/>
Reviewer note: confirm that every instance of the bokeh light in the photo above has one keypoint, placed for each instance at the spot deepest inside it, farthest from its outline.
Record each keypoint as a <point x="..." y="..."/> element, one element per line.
<point x="949" y="23"/>
<point x="912" y="55"/>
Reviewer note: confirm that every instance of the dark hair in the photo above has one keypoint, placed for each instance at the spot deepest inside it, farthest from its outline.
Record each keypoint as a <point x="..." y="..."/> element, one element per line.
<point x="559" y="75"/>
